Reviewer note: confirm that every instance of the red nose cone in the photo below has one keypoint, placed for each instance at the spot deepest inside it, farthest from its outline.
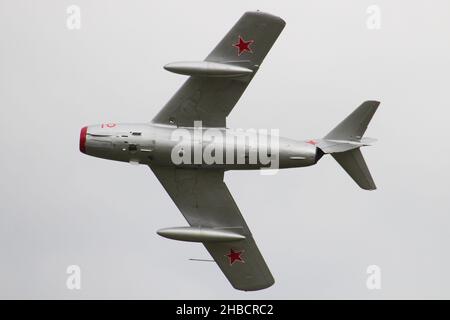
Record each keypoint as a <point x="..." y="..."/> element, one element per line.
<point x="83" y="139"/>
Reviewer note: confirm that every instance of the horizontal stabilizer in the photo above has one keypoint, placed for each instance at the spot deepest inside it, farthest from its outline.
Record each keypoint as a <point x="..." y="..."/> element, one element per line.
<point x="353" y="163"/>
<point x="354" y="126"/>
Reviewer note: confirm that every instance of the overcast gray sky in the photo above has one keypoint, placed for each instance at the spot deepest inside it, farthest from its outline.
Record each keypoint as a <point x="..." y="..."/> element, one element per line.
<point x="316" y="229"/>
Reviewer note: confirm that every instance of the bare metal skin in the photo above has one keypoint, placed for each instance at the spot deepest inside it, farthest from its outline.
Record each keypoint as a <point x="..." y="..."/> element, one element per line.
<point x="152" y="144"/>
<point x="190" y="160"/>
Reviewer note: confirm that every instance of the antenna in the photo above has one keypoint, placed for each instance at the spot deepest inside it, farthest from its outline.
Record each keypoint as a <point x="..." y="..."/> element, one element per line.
<point x="201" y="260"/>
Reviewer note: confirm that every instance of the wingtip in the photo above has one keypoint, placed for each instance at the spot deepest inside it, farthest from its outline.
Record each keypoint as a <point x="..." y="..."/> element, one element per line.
<point x="268" y="15"/>
<point x="256" y="287"/>
<point x="374" y="103"/>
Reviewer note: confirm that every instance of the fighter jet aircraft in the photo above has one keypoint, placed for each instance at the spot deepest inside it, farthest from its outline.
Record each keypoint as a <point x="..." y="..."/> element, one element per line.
<point x="188" y="147"/>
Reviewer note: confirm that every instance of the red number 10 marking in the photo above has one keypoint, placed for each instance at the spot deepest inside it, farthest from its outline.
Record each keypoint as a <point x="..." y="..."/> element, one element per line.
<point x="108" y="125"/>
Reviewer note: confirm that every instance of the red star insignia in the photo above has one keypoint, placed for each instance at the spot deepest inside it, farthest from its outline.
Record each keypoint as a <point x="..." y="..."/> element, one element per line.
<point x="243" y="46"/>
<point x="313" y="142"/>
<point x="235" y="256"/>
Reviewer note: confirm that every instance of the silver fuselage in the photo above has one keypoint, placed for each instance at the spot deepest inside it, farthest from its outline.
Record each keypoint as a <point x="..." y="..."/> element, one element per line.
<point x="158" y="144"/>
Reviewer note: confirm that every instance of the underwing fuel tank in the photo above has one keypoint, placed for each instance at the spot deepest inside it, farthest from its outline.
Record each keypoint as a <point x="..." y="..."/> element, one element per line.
<point x="194" y="234"/>
<point x="207" y="69"/>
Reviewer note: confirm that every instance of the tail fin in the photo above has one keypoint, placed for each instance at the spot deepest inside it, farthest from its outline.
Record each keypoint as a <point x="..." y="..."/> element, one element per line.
<point x="344" y="141"/>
